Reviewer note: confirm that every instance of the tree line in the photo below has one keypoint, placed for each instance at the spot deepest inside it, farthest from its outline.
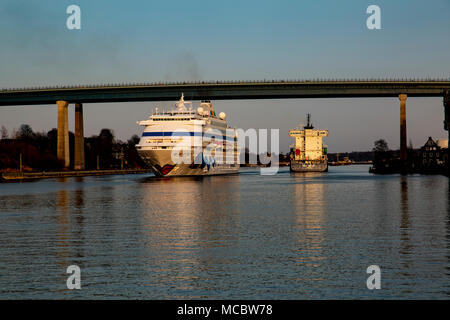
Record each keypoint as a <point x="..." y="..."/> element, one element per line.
<point x="37" y="150"/>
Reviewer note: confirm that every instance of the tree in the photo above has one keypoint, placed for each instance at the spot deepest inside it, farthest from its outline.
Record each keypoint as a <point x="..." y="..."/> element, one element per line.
<point x="410" y="146"/>
<point x="380" y="146"/>
<point x="134" y="140"/>
<point x="25" y="132"/>
<point x="106" y="135"/>
<point x="105" y="142"/>
<point x="4" y="133"/>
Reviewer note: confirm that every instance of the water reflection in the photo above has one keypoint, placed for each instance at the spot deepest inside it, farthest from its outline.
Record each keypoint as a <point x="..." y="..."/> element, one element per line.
<point x="381" y="212"/>
<point x="447" y="236"/>
<point x="405" y="226"/>
<point x="406" y="246"/>
<point x="193" y="222"/>
<point x="79" y="212"/>
<point x="243" y="236"/>
<point x="70" y="238"/>
<point x="63" y="236"/>
<point x="198" y="209"/>
<point x="310" y="195"/>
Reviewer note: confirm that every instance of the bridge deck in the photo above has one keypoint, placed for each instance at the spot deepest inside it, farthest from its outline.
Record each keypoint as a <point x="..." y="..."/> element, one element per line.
<point x="224" y="91"/>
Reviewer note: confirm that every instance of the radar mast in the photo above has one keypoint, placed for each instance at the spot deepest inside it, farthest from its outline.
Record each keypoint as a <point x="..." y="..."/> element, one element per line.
<point x="309" y="123"/>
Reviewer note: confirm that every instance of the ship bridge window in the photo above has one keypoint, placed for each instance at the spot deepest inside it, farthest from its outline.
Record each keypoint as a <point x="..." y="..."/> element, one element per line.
<point x="172" y="119"/>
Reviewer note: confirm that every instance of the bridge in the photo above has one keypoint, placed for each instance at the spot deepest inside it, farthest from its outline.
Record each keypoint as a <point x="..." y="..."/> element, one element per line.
<point x="217" y="90"/>
<point x="224" y="90"/>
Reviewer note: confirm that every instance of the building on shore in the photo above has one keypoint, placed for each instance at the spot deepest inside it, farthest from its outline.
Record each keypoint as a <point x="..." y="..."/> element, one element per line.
<point x="431" y="158"/>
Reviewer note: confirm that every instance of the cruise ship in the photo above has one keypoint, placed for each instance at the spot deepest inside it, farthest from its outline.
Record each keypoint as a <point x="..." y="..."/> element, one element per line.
<point x="308" y="154"/>
<point x="187" y="142"/>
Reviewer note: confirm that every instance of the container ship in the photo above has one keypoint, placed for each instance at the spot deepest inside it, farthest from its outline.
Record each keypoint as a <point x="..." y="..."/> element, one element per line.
<point x="308" y="154"/>
<point x="203" y="140"/>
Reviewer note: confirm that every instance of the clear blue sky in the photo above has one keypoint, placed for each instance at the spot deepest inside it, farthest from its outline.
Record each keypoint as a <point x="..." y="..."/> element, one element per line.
<point x="144" y="41"/>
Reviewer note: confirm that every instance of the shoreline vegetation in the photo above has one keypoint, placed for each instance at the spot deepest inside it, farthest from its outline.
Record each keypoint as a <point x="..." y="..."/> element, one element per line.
<point x="32" y="155"/>
<point x="26" y="151"/>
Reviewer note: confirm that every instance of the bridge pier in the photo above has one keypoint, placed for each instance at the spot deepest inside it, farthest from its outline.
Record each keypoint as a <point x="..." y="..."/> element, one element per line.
<point x="403" y="148"/>
<point x="63" y="133"/>
<point x="447" y="126"/>
<point x="79" y="163"/>
<point x="447" y="111"/>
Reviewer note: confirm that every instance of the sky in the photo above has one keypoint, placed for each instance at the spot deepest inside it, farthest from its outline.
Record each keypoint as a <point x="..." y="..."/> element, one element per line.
<point x="144" y="41"/>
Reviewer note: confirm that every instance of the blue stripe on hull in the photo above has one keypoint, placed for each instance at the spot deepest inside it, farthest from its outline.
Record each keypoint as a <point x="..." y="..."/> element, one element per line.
<point x="181" y="134"/>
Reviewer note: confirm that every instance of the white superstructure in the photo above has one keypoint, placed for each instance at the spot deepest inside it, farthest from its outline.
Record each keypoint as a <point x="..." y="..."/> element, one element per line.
<point x="308" y="153"/>
<point x="184" y="141"/>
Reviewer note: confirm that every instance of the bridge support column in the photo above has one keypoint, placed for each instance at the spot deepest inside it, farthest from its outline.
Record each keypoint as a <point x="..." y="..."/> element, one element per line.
<point x="79" y="138"/>
<point x="403" y="150"/>
<point x="447" y="126"/>
<point x="63" y="133"/>
<point x="447" y="111"/>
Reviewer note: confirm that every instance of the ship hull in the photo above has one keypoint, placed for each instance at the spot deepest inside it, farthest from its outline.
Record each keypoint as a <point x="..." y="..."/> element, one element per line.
<point x="298" y="166"/>
<point x="160" y="161"/>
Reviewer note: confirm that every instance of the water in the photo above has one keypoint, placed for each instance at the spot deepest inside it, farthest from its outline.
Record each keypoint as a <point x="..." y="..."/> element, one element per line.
<point x="246" y="236"/>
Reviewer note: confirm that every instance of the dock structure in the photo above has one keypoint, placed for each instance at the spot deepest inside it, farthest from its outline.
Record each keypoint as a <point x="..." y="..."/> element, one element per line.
<point x="63" y="96"/>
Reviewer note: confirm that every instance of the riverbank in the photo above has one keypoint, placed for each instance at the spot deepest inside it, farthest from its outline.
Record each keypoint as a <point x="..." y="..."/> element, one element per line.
<point x="18" y="176"/>
<point x="341" y="163"/>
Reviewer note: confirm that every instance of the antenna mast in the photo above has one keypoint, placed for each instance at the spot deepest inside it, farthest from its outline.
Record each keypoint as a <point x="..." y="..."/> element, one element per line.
<point x="308" y="120"/>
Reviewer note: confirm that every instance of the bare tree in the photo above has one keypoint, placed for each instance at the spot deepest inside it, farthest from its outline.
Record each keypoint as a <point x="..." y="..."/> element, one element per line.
<point x="410" y="146"/>
<point x="4" y="133"/>
<point x="25" y="132"/>
<point x="380" y="146"/>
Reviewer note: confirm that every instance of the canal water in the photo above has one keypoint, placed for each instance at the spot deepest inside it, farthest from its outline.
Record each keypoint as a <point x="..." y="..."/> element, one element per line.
<point x="245" y="236"/>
